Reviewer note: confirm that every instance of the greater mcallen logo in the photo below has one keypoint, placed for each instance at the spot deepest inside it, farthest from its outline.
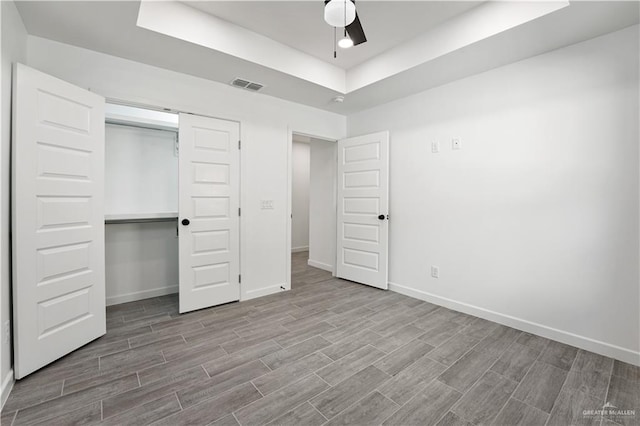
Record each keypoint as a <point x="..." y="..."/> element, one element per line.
<point x="610" y="411"/>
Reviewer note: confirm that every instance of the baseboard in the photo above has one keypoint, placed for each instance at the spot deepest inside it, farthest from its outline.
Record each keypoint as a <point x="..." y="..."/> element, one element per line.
<point x="582" y="342"/>
<point x="139" y="295"/>
<point x="264" y="291"/>
<point x="7" y="385"/>
<point x="320" y="265"/>
<point x="299" y="249"/>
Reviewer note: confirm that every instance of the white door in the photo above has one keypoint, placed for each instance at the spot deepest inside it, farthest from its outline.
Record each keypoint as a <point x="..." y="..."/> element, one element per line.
<point x="363" y="208"/>
<point x="58" y="218"/>
<point x="209" y="212"/>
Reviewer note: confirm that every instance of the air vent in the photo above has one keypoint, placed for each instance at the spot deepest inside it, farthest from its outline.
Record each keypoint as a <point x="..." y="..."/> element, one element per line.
<point x="249" y="85"/>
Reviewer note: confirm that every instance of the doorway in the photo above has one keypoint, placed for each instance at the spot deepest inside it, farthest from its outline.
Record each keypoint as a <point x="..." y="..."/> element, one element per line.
<point x="313" y="209"/>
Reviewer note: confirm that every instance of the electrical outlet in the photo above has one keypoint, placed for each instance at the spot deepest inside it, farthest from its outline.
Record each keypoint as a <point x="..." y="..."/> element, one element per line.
<point x="6" y="331"/>
<point x="456" y="143"/>
<point x="435" y="147"/>
<point x="435" y="272"/>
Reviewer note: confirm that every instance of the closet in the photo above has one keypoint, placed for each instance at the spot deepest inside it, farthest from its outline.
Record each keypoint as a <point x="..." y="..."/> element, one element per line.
<point x="160" y="191"/>
<point x="141" y="203"/>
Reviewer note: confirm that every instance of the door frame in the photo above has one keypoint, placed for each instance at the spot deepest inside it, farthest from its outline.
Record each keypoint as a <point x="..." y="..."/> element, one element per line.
<point x="328" y="139"/>
<point x="144" y="105"/>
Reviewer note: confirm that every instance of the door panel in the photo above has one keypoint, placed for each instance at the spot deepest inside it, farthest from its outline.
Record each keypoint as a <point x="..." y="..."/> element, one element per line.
<point x="58" y="218"/>
<point x="363" y="195"/>
<point x="209" y="200"/>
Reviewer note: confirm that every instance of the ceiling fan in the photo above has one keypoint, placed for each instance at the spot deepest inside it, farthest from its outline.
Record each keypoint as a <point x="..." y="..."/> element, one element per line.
<point x="342" y="13"/>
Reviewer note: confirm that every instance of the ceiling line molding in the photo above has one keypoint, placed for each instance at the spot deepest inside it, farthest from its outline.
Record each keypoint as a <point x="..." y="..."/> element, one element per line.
<point x="183" y="22"/>
<point x="483" y="21"/>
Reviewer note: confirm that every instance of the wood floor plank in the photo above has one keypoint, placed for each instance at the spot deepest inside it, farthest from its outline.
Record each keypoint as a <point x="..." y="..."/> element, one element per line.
<point x="403" y="357"/>
<point x="570" y="406"/>
<point x="625" y="395"/>
<point x="516" y="413"/>
<point x="293" y="353"/>
<point x="227" y="362"/>
<point x="479" y="328"/>
<point x="426" y="408"/>
<point x="86" y="416"/>
<point x="498" y="340"/>
<point x="441" y="333"/>
<point x="304" y="414"/>
<point x="283" y="376"/>
<point x="626" y="371"/>
<point x="336" y="399"/>
<point x="146" y="413"/>
<point x="482" y="403"/>
<point x="590" y="372"/>
<point x="221" y="382"/>
<point x="21" y="397"/>
<point x="64" y="404"/>
<point x="541" y="386"/>
<point x="371" y="410"/>
<point x="227" y="420"/>
<point x="411" y="380"/>
<point x="346" y="366"/>
<point x="118" y="403"/>
<point x="532" y="341"/>
<point x="349" y="344"/>
<point x="464" y="372"/>
<point x="453" y="349"/>
<point x="191" y="358"/>
<point x="559" y="355"/>
<point x="451" y="419"/>
<point x="272" y="406"/>
<point x="215" y="408"/>
<point x="300" y="335"/>
<point x="6" y="418"/>
<point x="515" y="361"/>
<point x="400" y="338"/>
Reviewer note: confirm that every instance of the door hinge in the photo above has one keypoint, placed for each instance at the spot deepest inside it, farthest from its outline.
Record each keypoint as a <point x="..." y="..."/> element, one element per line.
<point x="239" y="278"/>
<point x="239" y="144"/>
<point x="239" y="211"/>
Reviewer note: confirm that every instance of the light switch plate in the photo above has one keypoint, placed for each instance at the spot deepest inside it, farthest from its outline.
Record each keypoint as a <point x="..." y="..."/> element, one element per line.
<point x="435" y="147"/>
<point x="456" y="143"/>
<point x="435" y="272"/>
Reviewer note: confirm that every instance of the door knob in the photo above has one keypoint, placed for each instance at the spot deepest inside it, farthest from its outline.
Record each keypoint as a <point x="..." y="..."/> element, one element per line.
<point x="381" y="217"/>
<point x="185" y="222"/>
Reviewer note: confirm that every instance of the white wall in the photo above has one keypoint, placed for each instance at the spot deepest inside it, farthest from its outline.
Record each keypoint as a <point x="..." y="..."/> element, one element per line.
<point x="141" y="176"/>
<point x="14" y="45"/>
<point x="141" y="260"/>
<point x="534" y="223"/>
<point x="322" y="220"/>
<point x="300" y="158"/>
<point x="265" y="124"/>
<point x="141" y="170"/>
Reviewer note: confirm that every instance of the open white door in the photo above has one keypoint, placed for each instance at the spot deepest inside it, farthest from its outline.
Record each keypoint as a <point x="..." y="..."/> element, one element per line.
<point x="58" y="218"/>
<point x="363" y="206"/>
<point x="209" y="212"/>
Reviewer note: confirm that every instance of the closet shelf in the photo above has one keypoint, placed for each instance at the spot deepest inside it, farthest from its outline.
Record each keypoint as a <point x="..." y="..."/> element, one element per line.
<point x="140" y="217"/>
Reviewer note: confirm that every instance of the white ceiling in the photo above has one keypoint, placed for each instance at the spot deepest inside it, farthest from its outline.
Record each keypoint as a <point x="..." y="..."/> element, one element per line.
<point x="455" y="41"/>
<point x="301" y="25"/>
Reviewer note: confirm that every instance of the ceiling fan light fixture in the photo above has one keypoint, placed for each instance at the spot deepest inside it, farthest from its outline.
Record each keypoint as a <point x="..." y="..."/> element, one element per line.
<point x="339" y="13"/>
<point x="345" y="42"/>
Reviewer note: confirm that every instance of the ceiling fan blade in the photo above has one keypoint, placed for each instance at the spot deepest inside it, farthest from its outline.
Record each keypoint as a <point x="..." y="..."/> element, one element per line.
<point x="355" y="31"/>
